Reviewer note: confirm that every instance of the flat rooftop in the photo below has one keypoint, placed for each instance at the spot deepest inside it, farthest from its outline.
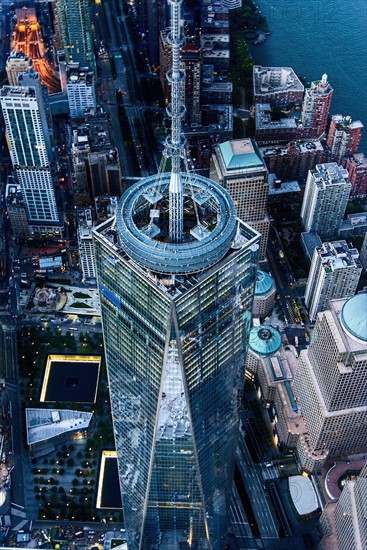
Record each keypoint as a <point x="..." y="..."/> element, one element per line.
<point x="330" y="173"/>
<point x="299" y="146"/>
<point x="283" y="187"/>
<point x="264" y="120"/>
<point x="275" y="79"/>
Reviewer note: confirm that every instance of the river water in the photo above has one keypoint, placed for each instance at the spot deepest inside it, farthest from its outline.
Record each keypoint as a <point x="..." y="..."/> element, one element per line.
<point x="315" y="37"/>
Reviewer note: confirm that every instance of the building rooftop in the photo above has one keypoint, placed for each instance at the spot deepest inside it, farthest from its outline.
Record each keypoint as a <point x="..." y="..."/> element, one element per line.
<point x="16" y="92"/>
<point x="216" y="45"/>
<point x="329" y="174"/>
<point x="93" y="135"/>
<point x="265" y="121"/>
<point x="216" y="85"/>
<point x="223" y="116"/>
<point x="299" y="146"/>
<point x="265" y="340"/>
<point x="359" y="160"/>
<point x="264" y="283"/>
<point x="354" y="316"/>
<point x="43" y="424"/>
<point x="238" y="154"/>
<point x="347" y="122"/>
<point x="338" y="255"/>
<point x="206" y="242"/>
<point x="13" y="194"/>
<point x="354" y="222"/>
<point x="275" y="79"/>
<point x="77" y="75"/>
<point x="303" y="495"/>
<point x="279" y="187"/>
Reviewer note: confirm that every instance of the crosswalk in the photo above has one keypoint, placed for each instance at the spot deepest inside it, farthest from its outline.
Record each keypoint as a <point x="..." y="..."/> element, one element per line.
<point x="269" y="472"/>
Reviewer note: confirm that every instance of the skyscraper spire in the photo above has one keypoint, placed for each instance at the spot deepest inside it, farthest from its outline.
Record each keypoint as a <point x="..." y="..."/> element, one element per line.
<point x="175" y="143"/>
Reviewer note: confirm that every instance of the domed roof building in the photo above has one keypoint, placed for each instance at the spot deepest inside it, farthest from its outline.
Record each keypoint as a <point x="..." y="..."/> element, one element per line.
<point x="264" y="294"/>
<point x="264" y="340"/>
<point x="354" y="317"/>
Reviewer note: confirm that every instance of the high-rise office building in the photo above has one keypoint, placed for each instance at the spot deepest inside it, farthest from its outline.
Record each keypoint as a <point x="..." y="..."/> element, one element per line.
<point x="104" y="173"/>
<point x="273" y="368"/>
<point x="74" y="21"/>
<point x="29" y="145"/>
<point x="316" y="106"/>
<point x="176" y="274"/>
<point x="350" y="514"/>
<point x="334" y="273"/>
<point x="31" y="79"/>
<point x="331" y="378"/>
<point x="265" y="293"/>
<point x="80" y="90"/>
<point x="344" y="137"/>
<point x="239" y="167"/>
<point x="343" y="523"/>
<point x="325" y="200"/>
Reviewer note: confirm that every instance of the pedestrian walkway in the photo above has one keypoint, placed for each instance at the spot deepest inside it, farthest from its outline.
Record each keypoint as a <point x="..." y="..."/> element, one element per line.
<point x="20" y="525"/>
<point x="17" y="510"/>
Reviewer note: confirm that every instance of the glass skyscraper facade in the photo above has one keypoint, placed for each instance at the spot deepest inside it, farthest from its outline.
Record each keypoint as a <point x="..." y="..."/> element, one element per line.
<point x="76" y="32"/>
<point x="30" y="148"/>
<point x="176" y="321"/>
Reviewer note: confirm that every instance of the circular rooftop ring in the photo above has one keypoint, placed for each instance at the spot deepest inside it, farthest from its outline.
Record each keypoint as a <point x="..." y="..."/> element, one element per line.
<point x="190" y="256"/>
<point x="353" y="316"/>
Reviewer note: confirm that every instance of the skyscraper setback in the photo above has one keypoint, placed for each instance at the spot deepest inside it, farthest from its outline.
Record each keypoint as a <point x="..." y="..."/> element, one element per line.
<point x="176" y="273"/>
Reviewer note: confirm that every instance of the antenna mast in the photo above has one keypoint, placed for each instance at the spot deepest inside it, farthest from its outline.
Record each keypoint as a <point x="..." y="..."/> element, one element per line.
<point x="175" y="144"/>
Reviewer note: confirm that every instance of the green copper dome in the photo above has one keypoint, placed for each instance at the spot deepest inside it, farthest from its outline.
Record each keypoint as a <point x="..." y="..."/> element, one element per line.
<point x="264" y="283"/>
<point x="354" y="316"/>
<point x="264" y="340"/>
